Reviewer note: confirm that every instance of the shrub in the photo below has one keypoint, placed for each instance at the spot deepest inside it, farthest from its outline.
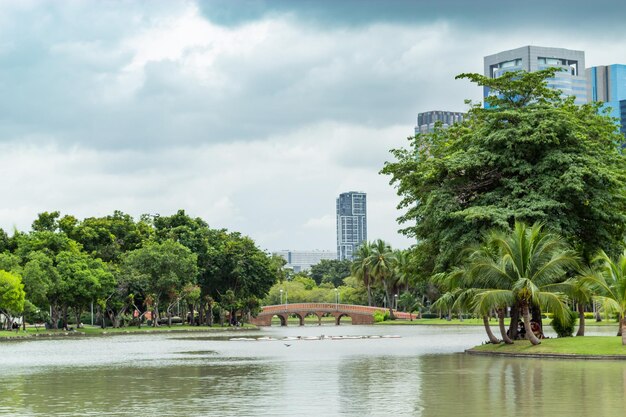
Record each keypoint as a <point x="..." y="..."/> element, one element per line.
<point x="430" y="315"/>
<point x="564" y="328"/>
<point x="380" y="316"/>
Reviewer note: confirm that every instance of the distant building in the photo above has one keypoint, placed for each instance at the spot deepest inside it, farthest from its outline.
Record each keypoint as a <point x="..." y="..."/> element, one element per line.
<point x="571" y="81"/>
<point x="607" y="84"/>
<point x="302" y="260"/>
<point x="351" y="223"/>
<point x="426" y="121"/>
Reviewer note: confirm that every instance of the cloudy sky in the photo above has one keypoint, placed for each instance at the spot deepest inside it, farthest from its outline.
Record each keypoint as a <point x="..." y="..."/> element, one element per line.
<point x="251" y="114"/>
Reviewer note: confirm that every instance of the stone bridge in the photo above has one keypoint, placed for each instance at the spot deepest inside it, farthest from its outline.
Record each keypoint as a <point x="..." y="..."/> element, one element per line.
<point x="358" y="314"/>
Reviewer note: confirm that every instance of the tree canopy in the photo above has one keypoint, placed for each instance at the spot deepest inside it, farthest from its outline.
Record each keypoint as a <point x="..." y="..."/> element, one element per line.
<point x="531" y="155"/>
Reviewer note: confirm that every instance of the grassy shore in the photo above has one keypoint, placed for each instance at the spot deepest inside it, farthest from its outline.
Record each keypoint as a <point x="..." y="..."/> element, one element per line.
<point x="97" y="331"/>
<point x="566" y="346"/>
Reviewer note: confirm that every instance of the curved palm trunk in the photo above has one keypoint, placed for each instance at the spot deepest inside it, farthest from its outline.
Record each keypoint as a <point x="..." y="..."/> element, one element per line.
<point x="505" y="337"/>
<point x="529" y="332"/>
<point x="623" y="328"/>
<point x="369" y="294"/>
<point x="581" y="320"/>
<point x="391" y="315"/>
<point x="492" y="338"/>
<point x="620" y="321"/>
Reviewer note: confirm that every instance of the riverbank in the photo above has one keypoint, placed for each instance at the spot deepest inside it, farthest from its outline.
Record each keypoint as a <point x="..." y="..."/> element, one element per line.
<point x="32" y="332"/>
<point x="587" y="347"/>
<point x="478" y="322"/>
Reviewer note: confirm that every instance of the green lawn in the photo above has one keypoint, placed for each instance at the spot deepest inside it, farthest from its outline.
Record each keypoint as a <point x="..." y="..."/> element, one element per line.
<point x="588" y="345"/>
<point x="440" y="322"/>
<point x="95" y="330"/>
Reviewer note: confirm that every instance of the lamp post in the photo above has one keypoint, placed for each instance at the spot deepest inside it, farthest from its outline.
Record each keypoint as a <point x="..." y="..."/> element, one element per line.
<point x="281" y="295"/>
<point x="396" y="298"/>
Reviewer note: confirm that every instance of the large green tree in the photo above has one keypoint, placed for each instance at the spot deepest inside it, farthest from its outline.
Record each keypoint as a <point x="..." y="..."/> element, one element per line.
<point x="163" y="270"/>
<point x="531" y="155"/>
<point x="12" y="296"/>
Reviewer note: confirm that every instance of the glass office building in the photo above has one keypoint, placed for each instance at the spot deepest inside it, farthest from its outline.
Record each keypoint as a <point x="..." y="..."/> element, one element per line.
<point x="607" y="84"/>
<point x="572" y="80"/>
<point x="351" y="223"/>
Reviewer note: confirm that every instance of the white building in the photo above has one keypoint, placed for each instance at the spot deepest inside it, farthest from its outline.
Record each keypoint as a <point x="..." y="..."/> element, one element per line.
<point x="302" y="260"/>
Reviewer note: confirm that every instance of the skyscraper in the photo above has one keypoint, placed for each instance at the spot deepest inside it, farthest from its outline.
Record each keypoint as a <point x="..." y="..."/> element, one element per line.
<point x="351" y="223"/>
<point x="571" y="81"/>
<point x="607" y="84"/>
<point x="426" y="121"/>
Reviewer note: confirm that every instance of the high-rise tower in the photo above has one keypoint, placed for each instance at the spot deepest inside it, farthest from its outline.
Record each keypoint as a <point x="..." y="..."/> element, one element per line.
<point x="571" y="81"/>
<point x="351" y="223"/>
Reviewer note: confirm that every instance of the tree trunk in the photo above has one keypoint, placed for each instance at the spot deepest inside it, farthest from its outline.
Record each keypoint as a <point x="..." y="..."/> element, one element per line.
<point x="64" y="318"/>
<point x="155" y="316"/>
<point x="492" y="338"/>
<point x="210" y="316"/>
<point x="623" y="327"/>
<point x="192" y="314"/>
<point x="169" y="318"/>
<point x="369" y="294"/>
<point x="581" y="320"/>
<point x="55" y="316"/>
<point x="514" y="322"/>
<point x="535" y="312"/>
<point x="389" y="301"/>
<point x="619" y="320"/>
<point x="78" y="313"/>
<point x="505" y="337"/>
<point x="529" y="331"/>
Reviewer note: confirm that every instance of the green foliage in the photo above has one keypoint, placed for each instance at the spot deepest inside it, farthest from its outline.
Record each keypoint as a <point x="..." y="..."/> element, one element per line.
<point x="532" y="156"/>
<point x="331" y="270"/>
<point x="564" y="326"/>
<point x="12" y="293"/>
<point x="380" y="316"/>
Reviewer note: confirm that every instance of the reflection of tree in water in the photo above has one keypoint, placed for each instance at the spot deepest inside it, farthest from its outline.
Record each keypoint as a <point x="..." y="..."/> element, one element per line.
<point x="478" y="386"/>
<point x="375" y="386"/>
<point x="152" y="390"/>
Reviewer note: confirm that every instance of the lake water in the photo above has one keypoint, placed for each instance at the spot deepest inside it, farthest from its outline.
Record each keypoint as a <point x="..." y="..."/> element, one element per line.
<point x="422" y="373"/>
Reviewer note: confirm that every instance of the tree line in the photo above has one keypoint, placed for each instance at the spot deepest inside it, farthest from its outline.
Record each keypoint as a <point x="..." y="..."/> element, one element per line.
<point x="131" y="270"/>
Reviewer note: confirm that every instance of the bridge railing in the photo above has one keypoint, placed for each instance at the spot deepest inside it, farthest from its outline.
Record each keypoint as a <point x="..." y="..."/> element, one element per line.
<point x="298" y="307"/>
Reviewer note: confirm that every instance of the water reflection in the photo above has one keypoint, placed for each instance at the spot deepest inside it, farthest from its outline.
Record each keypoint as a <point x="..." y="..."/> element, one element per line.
<point x="475" y="386"/>
<point x="418" y="374"/>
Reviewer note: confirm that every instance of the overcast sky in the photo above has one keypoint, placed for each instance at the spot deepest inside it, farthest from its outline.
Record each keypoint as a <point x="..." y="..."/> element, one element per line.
<point x="251" y="114"/>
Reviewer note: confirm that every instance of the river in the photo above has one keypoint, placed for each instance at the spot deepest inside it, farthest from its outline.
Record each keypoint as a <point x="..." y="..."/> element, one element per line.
<point x="421" y="373"/>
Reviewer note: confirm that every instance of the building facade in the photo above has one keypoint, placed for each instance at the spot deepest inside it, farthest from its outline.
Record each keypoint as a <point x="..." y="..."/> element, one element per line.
<point x="351" y="223"/>
<point x="303" y="260"/>
<point x="572" y="81"/>
<point x="426" y="121"/>
<point x="607" y="84"/>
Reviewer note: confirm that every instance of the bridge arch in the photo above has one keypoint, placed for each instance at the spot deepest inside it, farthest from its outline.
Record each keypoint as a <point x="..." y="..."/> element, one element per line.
<point x="339" y="316"/>
<point x="282" y="317"/>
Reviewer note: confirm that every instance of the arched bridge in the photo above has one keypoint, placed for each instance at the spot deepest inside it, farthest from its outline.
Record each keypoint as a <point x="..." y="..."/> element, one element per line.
<point x="358" y="314"/>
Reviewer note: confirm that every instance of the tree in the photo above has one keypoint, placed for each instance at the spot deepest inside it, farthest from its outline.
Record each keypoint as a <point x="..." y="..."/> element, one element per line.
<point x="382" y="263"/>
<point x="162" y="269"/>
<point x="361" y="269"/>
<point x="331" y="270"/>
<point x="530" y="156"/>
<point x="519" y="266"/>
<point x="609" y="283"/>
<point x="12" y="296"/>
<point x="46" y="222"/>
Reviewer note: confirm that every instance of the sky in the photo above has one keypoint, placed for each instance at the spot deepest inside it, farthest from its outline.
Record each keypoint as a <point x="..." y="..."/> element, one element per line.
<point x="254" y="115"/>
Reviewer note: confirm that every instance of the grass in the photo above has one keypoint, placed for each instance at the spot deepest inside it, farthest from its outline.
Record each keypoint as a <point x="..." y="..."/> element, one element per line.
<point x="96" y="330"/>
<point x="588" y="345"/>
<point x="479" y="322"/>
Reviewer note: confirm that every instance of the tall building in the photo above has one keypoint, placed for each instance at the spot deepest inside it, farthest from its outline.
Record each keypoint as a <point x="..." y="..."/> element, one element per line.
<point x="351" y="223"/>
<point x="571" y="81"/>
<point x="426" y="121"/>
<point x="607" y="84"/>
<point x="302" y="260"/>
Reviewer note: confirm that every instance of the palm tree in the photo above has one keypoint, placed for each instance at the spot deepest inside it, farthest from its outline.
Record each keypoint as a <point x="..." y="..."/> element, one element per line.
<point x="609" y="281"/>
<point x="382" y="263"/>
<point x="361" y="270"/>
<point x="581" y="291"/>
<point x="403" y="268"/>
<point x="518" y="267"/>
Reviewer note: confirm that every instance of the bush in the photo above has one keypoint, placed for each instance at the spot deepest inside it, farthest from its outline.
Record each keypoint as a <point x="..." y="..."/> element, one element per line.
<point x="380" y="316"/>
<point x="430" y="315"/>
<point x="565" y="328"/>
